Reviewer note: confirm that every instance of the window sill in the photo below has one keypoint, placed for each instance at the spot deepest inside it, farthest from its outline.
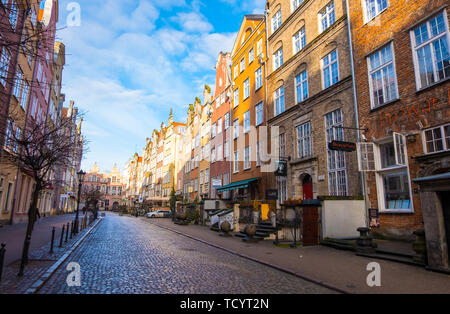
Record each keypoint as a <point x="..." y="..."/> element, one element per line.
<point x="397" y="211"/>
<point x="424" y="89"/>
<point x="384" y="105"/>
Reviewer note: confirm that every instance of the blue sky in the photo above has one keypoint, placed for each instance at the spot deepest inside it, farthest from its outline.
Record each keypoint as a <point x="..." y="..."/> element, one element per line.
<point x="130" y="61"/>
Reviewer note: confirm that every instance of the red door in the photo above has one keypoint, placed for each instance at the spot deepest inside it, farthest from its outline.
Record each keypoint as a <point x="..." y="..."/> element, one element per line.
<point x="308" y="191"/>
<point x="310" y="226"/>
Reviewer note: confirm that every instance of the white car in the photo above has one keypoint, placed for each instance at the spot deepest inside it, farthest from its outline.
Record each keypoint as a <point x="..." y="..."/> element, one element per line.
<point x="158" y="214"/>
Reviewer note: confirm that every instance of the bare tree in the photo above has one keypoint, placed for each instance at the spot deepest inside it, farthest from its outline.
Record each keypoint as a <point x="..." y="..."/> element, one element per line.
<point x="38" y="150"/>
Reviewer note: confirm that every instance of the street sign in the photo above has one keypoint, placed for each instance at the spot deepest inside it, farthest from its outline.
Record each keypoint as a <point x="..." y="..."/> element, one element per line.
<point x="271" y="195"/>
<point x="342" y="146"/>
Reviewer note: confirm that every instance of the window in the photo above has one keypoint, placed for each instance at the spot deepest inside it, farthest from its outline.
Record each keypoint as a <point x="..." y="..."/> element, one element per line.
<point x="213" y="130"/>
<point x="247" y="163"/>
<point x="282" y="148"/>
<point x="246" y="88"/>
<point x="258" y="158"/>
<point x="296" y="4"/>
<point x="226" y="149"/>
<point x="219" y="126"/>
<point x="220" y="153"/>
<point x="437" y="139"/>
<point x="242" y="65"/>
<point x="431" y="51"/>
<point x="259" y="48"/>
<point x="18" y="84"/>
<point x="383" y="81"/>
<point x="258" y="79"/>
<point x="276" y="21"/>
<point x="236" y="129"/>
<point x="373" y="8"/>
<point x="4" y="65"/>
<point x="327" y="17"/>
<point x="259" y="114"/>
<point x="236" y="71"/>
<point x="247" y="121"/>
<point x="299" y="40"/>
<point x="13" y="14"/>
<point x="236" y="162"/>
<point x="251" y="55"/>
<point x="236" y="97"/>
<point x="366" y="157"/>
<point x="278" y="59"/>
<point x="24" y="98"/>
<point x="9" y="134"/>
<point x="330" y="69"/>
<point x="304" y="140"/>
<point x="279" y="100"/>
<point x="282" y="189"/>
<point x="227" y="120"/>
<point x="337" y="170"/>
<point x="301" y="86"/>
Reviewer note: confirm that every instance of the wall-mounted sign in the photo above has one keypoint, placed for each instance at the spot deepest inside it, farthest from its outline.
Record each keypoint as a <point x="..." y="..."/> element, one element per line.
<point x="271" y="195"/>
<point x="342" y="146"/>
<point x="216" y="183"/>
<point x="281" y="168"/>
<point x="374" y="217"/>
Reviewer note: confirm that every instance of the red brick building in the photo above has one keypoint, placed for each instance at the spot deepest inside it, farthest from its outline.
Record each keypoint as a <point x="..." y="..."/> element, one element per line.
<point x="221" y="121"/>
<point x="402" y="71"/>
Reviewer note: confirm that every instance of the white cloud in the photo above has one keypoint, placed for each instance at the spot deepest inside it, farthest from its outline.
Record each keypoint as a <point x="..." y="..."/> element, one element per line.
<point x="193" y="22"/>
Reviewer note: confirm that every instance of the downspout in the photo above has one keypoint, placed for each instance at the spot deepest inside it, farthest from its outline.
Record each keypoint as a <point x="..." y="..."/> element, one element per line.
<point x="266" y="111"/>
<point x="11" y="218"/>
<point x="355" y="103"/>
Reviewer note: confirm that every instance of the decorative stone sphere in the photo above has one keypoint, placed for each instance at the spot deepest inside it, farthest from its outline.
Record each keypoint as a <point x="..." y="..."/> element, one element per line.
<point x="225" y="226"/>
<point x="181" y="216"/>
<point x="250" y="230"/>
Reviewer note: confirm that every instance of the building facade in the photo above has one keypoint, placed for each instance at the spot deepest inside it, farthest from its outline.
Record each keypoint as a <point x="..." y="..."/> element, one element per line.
<point x="402" y="71"/>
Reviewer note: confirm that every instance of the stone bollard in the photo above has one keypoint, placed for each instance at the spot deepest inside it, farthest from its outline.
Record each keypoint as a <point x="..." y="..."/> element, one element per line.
<point x="250" y="231"/>
<point x="365" y="243"/>
<point x="2" y="258"/>
<point x="53" y="240"/>
<point x="225" y="227"/>
<point x="420" y="247"/>
<point x="62" y="236"/>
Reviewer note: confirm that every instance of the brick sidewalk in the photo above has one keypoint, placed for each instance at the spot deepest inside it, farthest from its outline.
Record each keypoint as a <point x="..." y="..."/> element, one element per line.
<point x="340" y="269"/>
<point x="40" y="260"/>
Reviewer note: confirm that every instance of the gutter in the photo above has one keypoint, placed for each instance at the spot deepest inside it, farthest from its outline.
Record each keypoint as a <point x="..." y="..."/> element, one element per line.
<point x="355" y="103"/>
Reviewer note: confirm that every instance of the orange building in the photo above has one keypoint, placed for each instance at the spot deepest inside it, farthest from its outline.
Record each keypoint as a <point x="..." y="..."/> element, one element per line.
<point x="248" y="110"/>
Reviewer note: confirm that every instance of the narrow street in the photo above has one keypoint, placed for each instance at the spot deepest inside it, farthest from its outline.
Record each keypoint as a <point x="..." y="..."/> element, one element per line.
<point x="127" y="255"/>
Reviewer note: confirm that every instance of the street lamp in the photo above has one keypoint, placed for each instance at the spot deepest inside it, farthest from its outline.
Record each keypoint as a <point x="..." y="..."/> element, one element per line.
<point x="80" y="175"/>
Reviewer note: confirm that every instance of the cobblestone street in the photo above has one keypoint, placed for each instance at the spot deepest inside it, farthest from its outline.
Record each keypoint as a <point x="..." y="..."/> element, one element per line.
<point x="127" y="255"/>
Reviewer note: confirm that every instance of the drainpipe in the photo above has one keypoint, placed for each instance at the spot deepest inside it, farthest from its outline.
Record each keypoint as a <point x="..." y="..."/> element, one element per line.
<point x="266" y="111"/>
<point x="355" y="103"/>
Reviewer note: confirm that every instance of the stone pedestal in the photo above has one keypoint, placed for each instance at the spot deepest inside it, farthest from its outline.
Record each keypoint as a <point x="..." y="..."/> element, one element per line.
<point x="365" y="242"/>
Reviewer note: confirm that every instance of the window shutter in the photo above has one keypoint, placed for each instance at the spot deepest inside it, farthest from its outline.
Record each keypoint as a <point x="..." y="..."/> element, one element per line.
<point x="366" y="157"/>
<point x="400" y="149"/>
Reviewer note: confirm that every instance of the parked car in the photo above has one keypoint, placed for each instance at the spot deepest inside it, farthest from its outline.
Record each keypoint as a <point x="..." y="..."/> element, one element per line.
<point x="159" y="214"/>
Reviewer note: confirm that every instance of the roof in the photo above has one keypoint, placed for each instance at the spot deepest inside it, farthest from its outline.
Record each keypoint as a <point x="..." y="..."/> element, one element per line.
<point x="442" y="176"/>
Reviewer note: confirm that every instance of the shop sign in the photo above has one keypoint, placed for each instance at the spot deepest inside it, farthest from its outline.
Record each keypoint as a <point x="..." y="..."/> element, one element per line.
<point x="342" y="146"/>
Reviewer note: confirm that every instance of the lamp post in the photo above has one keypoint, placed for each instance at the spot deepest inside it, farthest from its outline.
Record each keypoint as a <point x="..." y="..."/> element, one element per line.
<point x="80" y="175"/>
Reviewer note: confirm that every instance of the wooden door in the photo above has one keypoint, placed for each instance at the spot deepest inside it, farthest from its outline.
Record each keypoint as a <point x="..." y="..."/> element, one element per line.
<point x="310" y="226"/>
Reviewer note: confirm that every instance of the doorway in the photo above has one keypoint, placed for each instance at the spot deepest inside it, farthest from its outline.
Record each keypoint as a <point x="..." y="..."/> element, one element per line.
<point x="307" y="186"/>
<point x="445" y="201"/>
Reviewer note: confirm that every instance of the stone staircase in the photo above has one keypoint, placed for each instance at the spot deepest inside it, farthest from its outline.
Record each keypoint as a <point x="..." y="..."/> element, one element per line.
<point x="263" y="230"/>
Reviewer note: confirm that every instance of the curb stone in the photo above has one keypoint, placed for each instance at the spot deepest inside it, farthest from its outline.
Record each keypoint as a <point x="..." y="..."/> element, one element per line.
<point x="284" y="270"/>
<point x="37" y="285"/>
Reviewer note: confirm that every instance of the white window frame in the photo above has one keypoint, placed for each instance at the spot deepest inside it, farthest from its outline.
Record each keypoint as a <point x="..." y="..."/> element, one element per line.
<point x="236" y="97"/>
<point x="236" y="129"/>
<point x="251" y="55"/>
<point x="280" y="97"/>
<point x="301" y="140"/>
<point x="327" y="16"/>
<point x="301" y="39"/>
<point x="242" y="65"/>
<point x="295" y="4"/>
<point x="419" y="85"/>
<point x="247" y="161"/>
<point x="219" y="126"/>
<point x="445" y="147"/>
<point x="378" y="11"/>
<point x="246" y="89"/>
<point x="247" y="121"/>
<point x="370" y="71"/>
<point x="276" y="21"/>
<point x="278" y="58"/>
<point x="258" y="79"/>
<point x="302" y="82"/>
<point x="236" y="162"/>
<point x="259" y="109"/>
<point x="322" y="65"/>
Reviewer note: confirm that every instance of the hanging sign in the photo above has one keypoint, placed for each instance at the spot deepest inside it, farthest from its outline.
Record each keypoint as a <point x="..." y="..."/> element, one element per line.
<point x="45" y="12"/>
<point x="342" y="146"/>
